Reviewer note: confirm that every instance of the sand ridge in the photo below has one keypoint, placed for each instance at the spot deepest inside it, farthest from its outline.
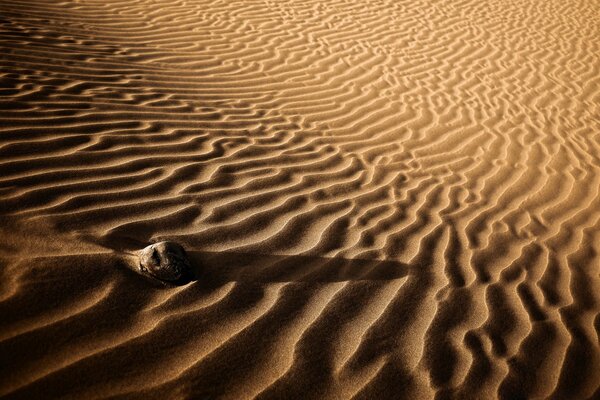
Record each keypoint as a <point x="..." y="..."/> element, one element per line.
<point x="384" y="199"/>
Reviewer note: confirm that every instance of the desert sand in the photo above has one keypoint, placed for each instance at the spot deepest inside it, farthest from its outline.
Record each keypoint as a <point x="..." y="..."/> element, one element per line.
<point x="381" y="199"/>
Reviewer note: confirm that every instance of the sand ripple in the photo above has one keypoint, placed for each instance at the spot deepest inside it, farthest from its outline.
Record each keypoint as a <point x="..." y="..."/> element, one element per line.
<point x="390" y="199"/>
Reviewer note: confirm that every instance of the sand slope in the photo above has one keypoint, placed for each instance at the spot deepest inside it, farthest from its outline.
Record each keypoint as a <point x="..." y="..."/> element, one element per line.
<point x="384" y="199"/>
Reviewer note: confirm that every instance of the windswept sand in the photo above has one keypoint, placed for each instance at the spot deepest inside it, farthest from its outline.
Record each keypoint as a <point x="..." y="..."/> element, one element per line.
<point x="382" y="199"/>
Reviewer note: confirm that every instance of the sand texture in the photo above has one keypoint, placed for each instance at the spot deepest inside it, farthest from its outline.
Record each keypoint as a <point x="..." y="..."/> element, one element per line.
<point x="381" y="199"/>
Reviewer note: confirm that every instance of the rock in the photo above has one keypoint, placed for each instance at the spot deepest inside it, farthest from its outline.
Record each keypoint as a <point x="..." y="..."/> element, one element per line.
<point x="166" y="261"/>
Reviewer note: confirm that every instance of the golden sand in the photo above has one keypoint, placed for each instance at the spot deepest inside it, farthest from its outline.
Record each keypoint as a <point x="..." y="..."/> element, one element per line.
<point x="382" y="199"/>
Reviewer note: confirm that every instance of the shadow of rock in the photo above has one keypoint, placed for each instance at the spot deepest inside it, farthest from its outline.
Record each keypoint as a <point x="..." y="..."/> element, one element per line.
<point x="217" y="268"/>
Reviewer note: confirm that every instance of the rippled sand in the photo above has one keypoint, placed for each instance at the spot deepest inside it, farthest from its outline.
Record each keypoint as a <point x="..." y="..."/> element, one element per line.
<point x="382" y="199"/>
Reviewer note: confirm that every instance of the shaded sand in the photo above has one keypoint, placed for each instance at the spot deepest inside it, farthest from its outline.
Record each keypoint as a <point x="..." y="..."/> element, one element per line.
<point x="382" y="199"/>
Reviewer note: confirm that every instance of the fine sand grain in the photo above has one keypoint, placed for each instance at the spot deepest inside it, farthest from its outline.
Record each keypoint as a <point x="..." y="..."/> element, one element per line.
<point x="381" y="199"/>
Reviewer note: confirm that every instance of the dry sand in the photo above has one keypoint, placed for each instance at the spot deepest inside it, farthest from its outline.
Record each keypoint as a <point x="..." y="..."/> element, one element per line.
<point x="382" y="199"/>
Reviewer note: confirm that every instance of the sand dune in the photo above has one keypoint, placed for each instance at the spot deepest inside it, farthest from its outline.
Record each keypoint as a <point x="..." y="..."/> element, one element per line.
<point x="381" y="199"/>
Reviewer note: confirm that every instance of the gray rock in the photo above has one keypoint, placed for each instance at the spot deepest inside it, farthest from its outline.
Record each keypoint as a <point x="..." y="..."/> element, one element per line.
<point x="166" y="261"/>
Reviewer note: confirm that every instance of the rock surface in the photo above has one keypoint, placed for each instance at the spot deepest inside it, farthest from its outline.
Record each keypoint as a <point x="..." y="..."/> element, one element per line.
<point x="166" y="261"/>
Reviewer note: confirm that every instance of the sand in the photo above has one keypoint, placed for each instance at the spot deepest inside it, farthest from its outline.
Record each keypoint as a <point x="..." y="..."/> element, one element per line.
<point x="381" y="199"/>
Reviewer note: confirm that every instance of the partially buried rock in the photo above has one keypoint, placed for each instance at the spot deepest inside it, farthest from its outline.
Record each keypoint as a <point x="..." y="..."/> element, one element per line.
<point x="166" y="261"/>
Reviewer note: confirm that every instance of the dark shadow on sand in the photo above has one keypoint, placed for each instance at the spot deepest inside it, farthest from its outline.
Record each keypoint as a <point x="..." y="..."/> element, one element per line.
<point x="217" y="268"/>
